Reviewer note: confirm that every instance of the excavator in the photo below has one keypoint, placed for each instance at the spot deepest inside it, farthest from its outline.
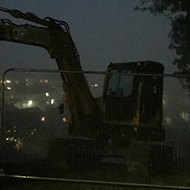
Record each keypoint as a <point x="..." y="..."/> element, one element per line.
<point x="131" y="104"/>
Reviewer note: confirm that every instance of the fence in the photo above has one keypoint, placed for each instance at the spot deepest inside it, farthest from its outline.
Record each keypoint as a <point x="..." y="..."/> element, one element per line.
<point x="36" y="142"/>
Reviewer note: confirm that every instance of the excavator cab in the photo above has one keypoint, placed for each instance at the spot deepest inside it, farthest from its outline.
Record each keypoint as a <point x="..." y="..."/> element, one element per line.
<point x="132" y="99"/>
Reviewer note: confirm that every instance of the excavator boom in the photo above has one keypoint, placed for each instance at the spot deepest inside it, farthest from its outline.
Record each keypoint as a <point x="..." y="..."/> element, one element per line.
<point x="54" y="36"/>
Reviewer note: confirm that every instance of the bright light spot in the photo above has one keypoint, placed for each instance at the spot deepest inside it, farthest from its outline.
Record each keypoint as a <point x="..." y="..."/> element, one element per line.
<point x="64" y="119"/>
<point x="47" y="94"/>
<point x="94" y="85"/>
<point x="10" y="139"/>
<point x="30" y="102"/>
<point x="43" y="119"/>
<point x="32" y="133"/>
<point x="52" y="101"/>
<point x="46" y="80"/>
<point x="8" y="88"/>
<point x="8" y="81"/>
<point x="18" y="143"/>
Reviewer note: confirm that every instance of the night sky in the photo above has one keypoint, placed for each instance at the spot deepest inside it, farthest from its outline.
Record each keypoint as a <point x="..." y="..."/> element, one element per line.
<point x="104" y="31"/>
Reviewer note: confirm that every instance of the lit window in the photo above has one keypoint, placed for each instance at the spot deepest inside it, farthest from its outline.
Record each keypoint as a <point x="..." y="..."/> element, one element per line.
<point x="46" y="80"/>
<point x="52" y="101"/>
<point x="8" y="81"/>
<point x="185" y="116"/>
<point x="47" y="94"/>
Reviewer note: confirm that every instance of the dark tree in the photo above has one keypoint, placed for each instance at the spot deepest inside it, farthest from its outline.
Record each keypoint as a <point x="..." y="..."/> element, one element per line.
<point x="178" y="11"/>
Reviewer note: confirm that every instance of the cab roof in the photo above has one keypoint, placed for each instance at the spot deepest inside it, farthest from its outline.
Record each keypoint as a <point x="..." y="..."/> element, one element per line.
<point x="149" y="67"/>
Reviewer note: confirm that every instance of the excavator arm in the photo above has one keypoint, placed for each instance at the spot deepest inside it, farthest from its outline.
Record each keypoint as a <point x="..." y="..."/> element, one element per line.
<point x="54" y="36"/>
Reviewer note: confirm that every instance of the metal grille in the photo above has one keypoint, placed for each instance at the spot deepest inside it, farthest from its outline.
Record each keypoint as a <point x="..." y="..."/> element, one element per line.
<point x="36" y="141"/>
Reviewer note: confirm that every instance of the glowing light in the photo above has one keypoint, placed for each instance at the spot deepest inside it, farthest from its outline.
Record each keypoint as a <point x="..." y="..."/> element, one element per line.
<point x="94" y="85"/>
<point x="19" y="145"/>
<point x="64" y="119"/>
<point x="8" y="88"/>
<point x="11" y="139"/>
<point x="8" y="81"/>
<point x="52" y="101"/>
<point x="43" y="119"/>
<point x="47" y="94"/>
<point x="30" y="102"/>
